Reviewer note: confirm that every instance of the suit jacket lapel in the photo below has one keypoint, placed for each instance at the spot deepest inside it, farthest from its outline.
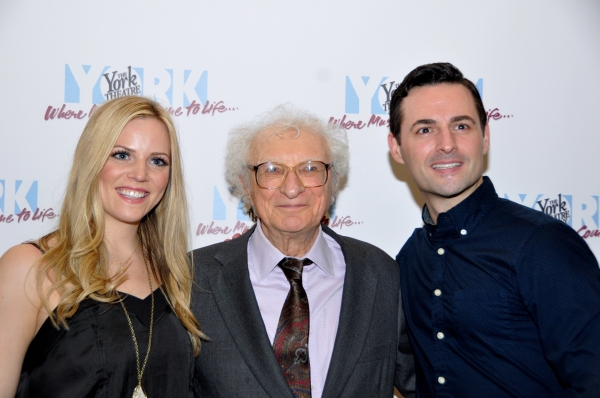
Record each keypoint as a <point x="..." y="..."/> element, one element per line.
<point x="360" y="287"/>
<point x="233" y="293"/>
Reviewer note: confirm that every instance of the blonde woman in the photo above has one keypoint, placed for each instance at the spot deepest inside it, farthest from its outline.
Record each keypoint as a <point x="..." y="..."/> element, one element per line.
<point x="100" y="306"/>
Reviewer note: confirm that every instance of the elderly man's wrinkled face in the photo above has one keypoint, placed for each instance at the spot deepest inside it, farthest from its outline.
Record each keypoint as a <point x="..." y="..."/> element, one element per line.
<point x="291" y="208"/>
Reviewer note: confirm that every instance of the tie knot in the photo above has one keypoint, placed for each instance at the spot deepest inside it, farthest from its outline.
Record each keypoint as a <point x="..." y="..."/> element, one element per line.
<point x="292" y="267"/>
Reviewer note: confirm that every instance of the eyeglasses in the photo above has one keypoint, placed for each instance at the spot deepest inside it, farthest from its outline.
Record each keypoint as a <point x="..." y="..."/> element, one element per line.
<point x="272" y="175"/>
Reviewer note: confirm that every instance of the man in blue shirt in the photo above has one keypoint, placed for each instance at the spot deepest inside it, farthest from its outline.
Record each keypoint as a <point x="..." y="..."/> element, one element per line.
<point x="501" y="300"/>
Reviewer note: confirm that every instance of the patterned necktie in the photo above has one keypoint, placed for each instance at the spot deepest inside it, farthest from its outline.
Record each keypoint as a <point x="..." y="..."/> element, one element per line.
<point x="291" y="340"/>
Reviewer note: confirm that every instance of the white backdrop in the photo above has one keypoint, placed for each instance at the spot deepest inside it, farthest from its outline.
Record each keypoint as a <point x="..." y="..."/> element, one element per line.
<point x="223" y="62"/>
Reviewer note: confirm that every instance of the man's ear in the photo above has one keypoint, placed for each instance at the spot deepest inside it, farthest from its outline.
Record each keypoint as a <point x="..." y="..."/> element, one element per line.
<point x="486" y="139"/>
<point x="246" y="189"/>
<point x="395" y="148"/>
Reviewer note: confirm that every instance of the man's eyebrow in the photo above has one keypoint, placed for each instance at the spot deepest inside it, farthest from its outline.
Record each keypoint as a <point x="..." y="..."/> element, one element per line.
<point x="461" y="118"/>
<point x="423" y="121"/>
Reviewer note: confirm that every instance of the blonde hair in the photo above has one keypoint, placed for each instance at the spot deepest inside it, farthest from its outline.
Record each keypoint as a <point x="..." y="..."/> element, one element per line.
<point x="77" y="262"/>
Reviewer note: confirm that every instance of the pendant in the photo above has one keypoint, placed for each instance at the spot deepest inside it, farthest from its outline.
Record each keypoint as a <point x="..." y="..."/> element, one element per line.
<point x="139" y="392"/>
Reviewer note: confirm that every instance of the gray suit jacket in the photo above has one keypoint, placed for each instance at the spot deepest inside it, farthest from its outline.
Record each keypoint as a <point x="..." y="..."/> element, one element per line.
<point x="371" y="352"/>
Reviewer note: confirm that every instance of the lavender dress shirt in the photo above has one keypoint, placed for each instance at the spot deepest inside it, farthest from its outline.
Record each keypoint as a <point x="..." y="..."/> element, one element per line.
<point x="323" y="282"/>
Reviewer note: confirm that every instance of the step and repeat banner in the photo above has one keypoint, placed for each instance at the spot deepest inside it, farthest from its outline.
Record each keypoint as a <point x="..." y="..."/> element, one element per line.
<point x="215" y="64"/>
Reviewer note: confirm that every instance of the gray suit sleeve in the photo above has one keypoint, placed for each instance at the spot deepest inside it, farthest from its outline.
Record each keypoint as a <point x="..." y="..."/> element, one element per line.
<point x="405" y="361"/>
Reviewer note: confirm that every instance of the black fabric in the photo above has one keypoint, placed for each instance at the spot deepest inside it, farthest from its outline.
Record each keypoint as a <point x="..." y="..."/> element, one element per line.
<point x="501" y="301"/>
<point x="95" y="357"/>
<point x="36" y="246"/>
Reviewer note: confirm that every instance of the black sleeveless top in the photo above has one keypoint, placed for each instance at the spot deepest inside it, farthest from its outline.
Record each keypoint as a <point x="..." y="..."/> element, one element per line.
<point x="95" y="357"/>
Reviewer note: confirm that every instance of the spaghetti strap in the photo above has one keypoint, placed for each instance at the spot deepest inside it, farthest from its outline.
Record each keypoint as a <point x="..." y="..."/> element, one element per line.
<point x="36" y="246"/>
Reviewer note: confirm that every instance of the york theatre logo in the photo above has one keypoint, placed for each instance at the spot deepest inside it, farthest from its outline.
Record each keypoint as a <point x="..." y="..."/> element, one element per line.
<point x="581" y="212"/>
<point x="183" y="91"/>
<point x="95" y="84"/>
<point x="363" y="96"/>
<point x="367" y="102"/>
<point x="19" y="202"/>
<point x="117" y="84"/>
<point x="556" y="208"/>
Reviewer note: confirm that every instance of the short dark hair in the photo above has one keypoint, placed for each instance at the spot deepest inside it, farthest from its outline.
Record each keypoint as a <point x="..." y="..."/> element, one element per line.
<point x="429" y="75"/>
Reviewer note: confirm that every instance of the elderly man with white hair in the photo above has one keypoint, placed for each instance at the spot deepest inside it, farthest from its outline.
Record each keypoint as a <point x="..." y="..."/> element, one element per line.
<point x="293" y="309"/>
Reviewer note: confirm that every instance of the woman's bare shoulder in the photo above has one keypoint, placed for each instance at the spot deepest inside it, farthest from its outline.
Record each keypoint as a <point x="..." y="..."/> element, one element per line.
<point x="19" y="310"/>
<point x="20" y="258"/>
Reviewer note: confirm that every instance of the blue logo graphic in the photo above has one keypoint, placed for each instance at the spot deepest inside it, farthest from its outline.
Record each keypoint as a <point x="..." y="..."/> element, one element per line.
<point x="96" y="84"/>
<point x="362" y="95"/>
<point x="479" y="86"/>
<point x="220" y="210"/>
<point x="574" y="210"/>
<point x="15" y="195"/>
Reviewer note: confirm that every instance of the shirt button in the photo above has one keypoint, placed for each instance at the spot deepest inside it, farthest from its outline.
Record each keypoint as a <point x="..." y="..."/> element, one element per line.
<point x="441" y="380"/>
<point x="463" y="231"/>
<point x="440" y="335"/>
<point x="437" y="292"/>
<point x="440" y="251"/>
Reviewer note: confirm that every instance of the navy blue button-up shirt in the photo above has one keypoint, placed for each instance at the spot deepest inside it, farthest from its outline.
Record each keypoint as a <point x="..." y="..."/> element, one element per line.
<point x="501" y="301"/>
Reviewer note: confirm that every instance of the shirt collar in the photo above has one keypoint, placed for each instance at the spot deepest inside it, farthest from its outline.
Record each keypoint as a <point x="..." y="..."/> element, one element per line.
<point x="266" y="256"/>
<point x="463" y="218"/>
<point x="426" y="216"/>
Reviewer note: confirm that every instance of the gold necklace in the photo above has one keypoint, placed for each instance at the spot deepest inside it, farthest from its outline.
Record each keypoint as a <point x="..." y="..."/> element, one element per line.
<point x="124" y="263"/>
<point x="138" y="392"/>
